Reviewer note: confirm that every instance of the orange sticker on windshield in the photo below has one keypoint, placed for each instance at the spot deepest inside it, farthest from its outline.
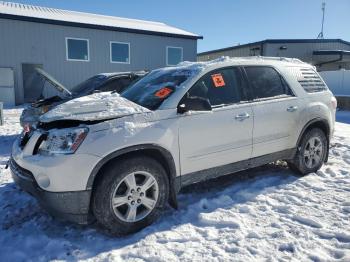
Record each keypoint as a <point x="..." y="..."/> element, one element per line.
<point x="164" y="92"/>
<point x="218" y="80"/>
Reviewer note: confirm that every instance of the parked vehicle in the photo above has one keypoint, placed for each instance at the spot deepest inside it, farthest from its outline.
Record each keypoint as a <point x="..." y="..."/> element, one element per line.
<point x="103" y="82"/>
<point x="120" y="158"/>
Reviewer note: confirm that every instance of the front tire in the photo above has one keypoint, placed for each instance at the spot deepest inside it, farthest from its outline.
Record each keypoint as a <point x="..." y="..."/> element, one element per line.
<point x="311" y="152"/>
<point x="130" y="195"/>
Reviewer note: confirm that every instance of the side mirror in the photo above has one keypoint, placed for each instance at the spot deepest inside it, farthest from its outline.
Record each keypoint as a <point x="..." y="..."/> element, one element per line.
<point x="194" y="104"/>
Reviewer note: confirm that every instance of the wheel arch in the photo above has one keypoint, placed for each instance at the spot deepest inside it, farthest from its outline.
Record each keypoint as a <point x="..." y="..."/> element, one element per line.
<point x="162" y="155"/>
<point x="320" y="123"/>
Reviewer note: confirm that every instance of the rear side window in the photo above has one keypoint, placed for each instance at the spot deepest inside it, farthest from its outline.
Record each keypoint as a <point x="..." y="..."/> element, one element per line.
<point x="310" y="80"/>
<point x="221" y="87"/>
<point x="266" y="82"/>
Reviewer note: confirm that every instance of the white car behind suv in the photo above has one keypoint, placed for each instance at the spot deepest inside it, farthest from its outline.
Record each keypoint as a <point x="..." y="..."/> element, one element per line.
<point x="121" y="158"/>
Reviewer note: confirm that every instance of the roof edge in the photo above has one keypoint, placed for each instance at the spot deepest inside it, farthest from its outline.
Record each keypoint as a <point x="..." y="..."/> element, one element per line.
<point x="276" y="41"/>
<point x="331" y="52"/>
<point x="92" y="26"/>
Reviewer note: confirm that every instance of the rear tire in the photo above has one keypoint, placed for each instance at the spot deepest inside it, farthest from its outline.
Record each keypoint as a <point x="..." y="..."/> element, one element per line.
<point x="130" y="195"/>
<point x="311" y="152"/>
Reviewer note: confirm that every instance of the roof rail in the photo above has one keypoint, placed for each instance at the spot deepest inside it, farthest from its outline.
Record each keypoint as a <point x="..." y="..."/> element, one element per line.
<point x="264" y="58"/>
<point x="273" y="58"/>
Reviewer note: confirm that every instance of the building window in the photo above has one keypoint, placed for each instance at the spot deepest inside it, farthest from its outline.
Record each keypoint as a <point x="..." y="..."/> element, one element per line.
<point x="174" y="55"/>
<point x="77" y="49"/>
<point x="120" y="52"/>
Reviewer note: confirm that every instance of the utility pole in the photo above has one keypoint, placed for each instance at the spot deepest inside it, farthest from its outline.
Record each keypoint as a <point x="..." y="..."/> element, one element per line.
<point x="320" y="35"/>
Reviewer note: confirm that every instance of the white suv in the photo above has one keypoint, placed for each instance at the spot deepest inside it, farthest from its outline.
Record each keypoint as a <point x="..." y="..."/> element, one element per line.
<point x="121" y="158"/>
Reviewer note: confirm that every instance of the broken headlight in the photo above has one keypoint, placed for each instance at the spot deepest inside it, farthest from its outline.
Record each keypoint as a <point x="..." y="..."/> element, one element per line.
<point x="63" y="141"/>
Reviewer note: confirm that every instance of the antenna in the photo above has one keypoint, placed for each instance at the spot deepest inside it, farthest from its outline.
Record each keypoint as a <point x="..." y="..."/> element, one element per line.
<point x="320" y="35"/>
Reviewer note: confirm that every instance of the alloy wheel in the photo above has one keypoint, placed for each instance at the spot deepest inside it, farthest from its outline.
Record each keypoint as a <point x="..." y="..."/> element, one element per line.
<point x="313" y="152"/>
<point x="135" y="196"/>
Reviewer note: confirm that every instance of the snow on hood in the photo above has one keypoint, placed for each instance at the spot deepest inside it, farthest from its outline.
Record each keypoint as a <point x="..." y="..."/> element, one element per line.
<point x="97" y="106"/>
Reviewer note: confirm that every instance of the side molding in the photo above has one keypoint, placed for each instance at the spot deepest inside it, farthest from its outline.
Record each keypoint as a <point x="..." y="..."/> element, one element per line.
<point x="215" y="172"/>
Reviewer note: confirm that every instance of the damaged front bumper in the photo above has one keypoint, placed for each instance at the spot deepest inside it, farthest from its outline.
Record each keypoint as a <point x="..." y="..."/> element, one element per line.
<point x="69" y="206"/>
<point x="59" y="182"/>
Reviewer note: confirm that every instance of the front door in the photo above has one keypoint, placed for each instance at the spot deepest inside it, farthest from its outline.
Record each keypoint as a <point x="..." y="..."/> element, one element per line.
<point x="222" y="136"/>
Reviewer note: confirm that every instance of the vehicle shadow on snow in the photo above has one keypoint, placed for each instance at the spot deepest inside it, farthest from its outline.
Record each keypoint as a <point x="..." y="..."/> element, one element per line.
<point x="21" y="211"/>
<point x="239" y="188"/>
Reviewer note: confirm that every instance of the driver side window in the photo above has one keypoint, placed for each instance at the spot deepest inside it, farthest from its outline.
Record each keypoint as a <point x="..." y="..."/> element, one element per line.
<point x="220" y="87"/>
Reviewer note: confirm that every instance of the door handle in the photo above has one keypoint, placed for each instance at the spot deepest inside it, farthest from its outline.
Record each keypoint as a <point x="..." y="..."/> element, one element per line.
<point x="292" y="108"/>
<point x="242" y="117"/>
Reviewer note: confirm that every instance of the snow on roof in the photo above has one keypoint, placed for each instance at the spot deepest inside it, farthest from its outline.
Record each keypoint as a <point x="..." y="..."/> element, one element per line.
<point x="65" y="17"/>
<point x="239" y="60"/>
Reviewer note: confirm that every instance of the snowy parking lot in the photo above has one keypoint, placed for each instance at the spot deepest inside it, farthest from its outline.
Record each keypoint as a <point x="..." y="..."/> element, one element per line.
<point x="267" y="213"/>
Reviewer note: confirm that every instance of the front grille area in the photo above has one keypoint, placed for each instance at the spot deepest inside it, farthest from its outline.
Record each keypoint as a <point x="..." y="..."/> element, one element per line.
<point x="19" y="171"/>
<point x="310" y="81"/>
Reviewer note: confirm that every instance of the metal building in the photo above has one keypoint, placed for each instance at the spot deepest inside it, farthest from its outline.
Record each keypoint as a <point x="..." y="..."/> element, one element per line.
<point x="325" y="54"/>
<point x="73" y="46"/>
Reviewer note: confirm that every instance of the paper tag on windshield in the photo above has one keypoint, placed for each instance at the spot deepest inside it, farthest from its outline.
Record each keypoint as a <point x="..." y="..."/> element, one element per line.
<point x="218" y="80"/>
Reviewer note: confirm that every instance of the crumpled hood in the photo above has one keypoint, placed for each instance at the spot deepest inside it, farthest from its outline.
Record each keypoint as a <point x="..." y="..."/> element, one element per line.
<point x="97" y="106"/>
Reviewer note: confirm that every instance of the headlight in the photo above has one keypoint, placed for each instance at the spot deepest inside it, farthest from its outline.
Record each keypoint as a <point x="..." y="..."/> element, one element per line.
<point x="63" y="141"/>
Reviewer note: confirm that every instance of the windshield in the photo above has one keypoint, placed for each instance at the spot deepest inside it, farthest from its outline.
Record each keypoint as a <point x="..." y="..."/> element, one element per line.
<point x="90" y="84"/>
<point x="156" y="87"/>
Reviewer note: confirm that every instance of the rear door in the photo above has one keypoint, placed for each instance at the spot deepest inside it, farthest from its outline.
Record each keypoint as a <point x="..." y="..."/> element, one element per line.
<point x="276" y="110"/>
<point x="221" y="136"/>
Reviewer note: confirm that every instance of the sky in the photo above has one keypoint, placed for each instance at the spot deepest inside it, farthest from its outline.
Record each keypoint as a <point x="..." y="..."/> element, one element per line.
<point x="225" y="23"/>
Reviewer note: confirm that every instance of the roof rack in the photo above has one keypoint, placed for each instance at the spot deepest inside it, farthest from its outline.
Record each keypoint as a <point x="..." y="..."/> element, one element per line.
<point x="264" y="58"/>
<point x="273" y="58"/>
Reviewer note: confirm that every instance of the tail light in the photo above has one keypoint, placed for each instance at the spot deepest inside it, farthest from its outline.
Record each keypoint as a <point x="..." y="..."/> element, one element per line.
<point x="334" y="103"/>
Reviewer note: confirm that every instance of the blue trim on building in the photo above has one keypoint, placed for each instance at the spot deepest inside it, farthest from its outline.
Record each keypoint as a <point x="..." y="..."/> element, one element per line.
<point x="331" y="52"/>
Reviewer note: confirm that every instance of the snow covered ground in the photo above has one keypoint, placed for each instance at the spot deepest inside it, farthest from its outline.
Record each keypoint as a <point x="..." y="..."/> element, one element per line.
<point x="263" y="214"/>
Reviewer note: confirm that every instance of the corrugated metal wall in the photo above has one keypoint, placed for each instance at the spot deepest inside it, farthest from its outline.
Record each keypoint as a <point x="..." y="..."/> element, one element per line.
<point x="237" y="52"/>
<point x="7" y="92"/>
<point x="338" y="81"/>
<point x="27" y="42"/>
<point x="302" y="51"/>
